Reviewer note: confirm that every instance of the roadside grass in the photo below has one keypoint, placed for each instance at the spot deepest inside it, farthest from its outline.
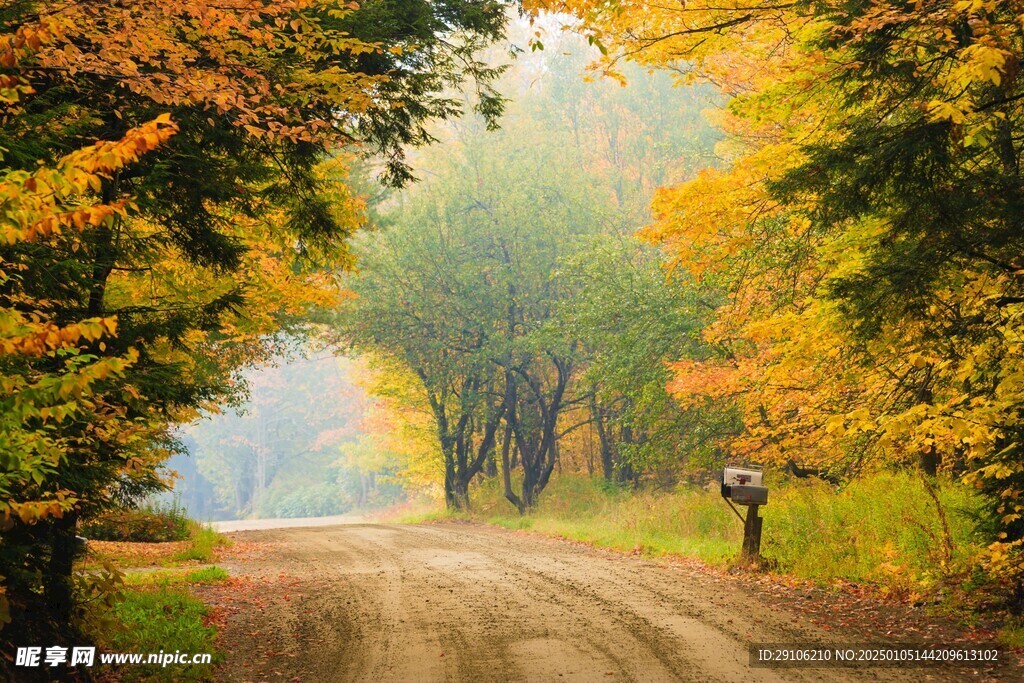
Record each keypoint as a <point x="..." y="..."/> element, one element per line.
<point x="685" y="522"/>
<point x="420" y="516"/>
<point x="155" y="610"/>
<point x="202" y="546"/>
<point x="893" y="530"/>
<point x="1012" y="635"/>
<point x="161" y="615"/>
<point x="173" y="577"/>
<point x="890" y="529"/>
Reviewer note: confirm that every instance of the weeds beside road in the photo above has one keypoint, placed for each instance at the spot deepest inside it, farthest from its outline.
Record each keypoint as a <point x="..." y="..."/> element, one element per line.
<point x="886" y="533"/>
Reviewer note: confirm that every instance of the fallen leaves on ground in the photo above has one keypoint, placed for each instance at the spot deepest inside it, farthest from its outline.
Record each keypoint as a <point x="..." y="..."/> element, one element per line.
<point x="127" y="554"/>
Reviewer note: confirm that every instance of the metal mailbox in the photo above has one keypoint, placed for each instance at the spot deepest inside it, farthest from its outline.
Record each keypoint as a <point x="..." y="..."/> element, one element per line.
<point x="749" y="495"/>
<point x="743" y="487"/>
<point x="734" y="476"/>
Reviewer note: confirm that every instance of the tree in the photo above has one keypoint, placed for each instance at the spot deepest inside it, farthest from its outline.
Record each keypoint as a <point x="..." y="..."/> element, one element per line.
<point x="632" y="320"/>
<point x="236" y="228"/>
<point x="867" y="231"/>
<point x="482" y="281"/>
<point x="939" y="231"/>
<point x="60" y="394"/>
<point x="411" y="308"/>
<point x="459" y="288"/>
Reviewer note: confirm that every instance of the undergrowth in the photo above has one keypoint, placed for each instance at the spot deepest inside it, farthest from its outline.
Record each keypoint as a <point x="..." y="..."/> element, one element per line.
<point x="156" y="612"/>
<point x="890" y="529"/>
<point x="203" y="542"/>
<point x="154" y="523"/>
<point x="169" y="577"/>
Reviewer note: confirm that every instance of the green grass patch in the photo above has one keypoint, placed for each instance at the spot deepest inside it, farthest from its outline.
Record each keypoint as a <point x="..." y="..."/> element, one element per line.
<point x="203" y="542"/>
<point x="161" y="618"/>
<point x="683" y="522"/>
<point x="1012" y="635"/>
<point x="885" y="529"/>
<point x="155" y="611"/>
<point x="170" y="577"/>
<point x="425" y="516"/>
<point x="201" y="546"/>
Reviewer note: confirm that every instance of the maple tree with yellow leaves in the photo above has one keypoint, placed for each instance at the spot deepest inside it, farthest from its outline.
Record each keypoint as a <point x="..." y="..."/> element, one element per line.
<point x="865" y="223"/>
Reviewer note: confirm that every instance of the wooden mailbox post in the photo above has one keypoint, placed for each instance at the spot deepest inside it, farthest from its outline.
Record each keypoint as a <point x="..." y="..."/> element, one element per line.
<point x="743" y="487"/>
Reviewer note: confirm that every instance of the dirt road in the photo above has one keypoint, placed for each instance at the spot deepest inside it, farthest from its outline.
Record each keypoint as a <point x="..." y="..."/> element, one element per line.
<point x="262" y="524"/>
<point x="471" y="603"/>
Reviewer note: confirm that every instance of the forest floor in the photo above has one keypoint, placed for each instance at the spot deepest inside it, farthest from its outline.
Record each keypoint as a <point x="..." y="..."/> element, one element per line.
<point x="469" y="602"/>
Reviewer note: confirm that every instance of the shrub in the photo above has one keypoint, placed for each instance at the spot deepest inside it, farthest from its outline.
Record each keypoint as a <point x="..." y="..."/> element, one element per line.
<point x="291" y="498"/>
<point x="149" y="524"/>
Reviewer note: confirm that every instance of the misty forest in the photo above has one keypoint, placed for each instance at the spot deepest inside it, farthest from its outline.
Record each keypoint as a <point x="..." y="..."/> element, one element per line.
<point x="500" y="308"/>
<point x="509" y="266"/>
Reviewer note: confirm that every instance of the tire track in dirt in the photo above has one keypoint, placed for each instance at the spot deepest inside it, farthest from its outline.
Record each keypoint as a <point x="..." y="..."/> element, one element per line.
<point x="471" y="603"/>
<point x="682" y="643"/>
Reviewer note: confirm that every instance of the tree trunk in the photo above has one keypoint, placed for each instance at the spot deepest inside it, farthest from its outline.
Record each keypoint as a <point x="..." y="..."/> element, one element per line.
<point x="929" y="460"/>
<point x="506" y="471"/>
<point x="625" y="472"/>
<point x="460" y="496"/>
<point x="364" y="491"/>
<point x="607" y="449"/>
<point x="452" y="498"/>
<point x="491" y="465"/>
<point x="59" y="592"/>
<point x="58" y="584"/>
<point x="540" y="453"/>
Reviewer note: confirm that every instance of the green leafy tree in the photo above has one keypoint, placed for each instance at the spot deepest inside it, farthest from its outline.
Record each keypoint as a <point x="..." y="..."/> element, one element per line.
<point x="633" y="319"/>
<point x="460" y="287"/>
<point x="480" y="283"/>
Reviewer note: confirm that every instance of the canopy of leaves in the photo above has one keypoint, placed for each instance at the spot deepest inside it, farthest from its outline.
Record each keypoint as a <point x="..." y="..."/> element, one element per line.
<point x="867" y="231"/>
<point x="506" y="286"/>
<point x="136" y="286"/>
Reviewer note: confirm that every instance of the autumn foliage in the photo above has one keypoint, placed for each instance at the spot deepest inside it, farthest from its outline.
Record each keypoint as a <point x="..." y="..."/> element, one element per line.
<point x="179" y="188"/>
<point x="175" y="191"/>
<point x="865" y="225"/>
<point x="51" y="375"/>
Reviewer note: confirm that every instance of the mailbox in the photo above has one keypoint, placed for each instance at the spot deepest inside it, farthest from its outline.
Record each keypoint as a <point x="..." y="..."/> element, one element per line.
<point x="734" y="476"/>
<point x="749" y="495"/>
<point x="743" y="487"/>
